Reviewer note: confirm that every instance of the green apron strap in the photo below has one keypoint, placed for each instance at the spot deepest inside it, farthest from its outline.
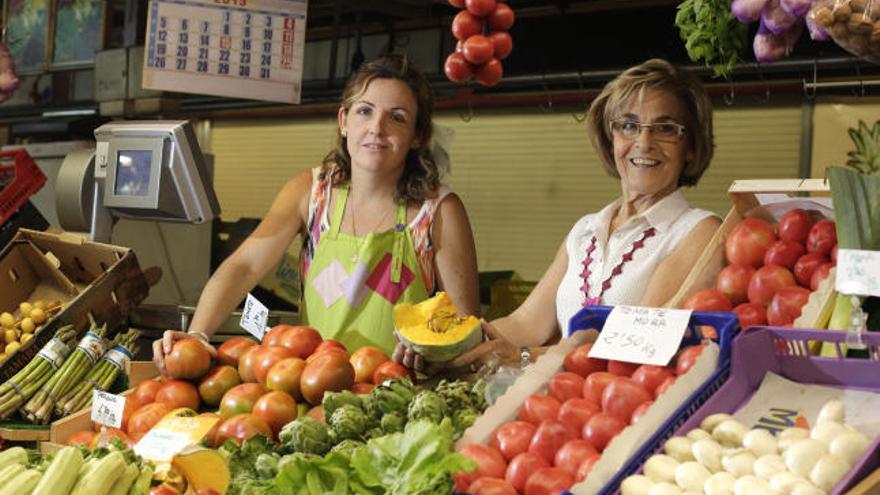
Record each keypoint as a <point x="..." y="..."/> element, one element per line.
<point x="338" y="210"/>
<point x="399" y="241"/>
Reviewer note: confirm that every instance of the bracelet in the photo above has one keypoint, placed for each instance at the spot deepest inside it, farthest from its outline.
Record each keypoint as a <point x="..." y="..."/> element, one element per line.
<point x="201" y="335"/>
<point x="525" y="357"/>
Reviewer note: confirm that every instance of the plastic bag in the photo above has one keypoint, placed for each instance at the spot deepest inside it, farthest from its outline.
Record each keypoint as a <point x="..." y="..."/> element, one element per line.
<point x="852" y="24"/>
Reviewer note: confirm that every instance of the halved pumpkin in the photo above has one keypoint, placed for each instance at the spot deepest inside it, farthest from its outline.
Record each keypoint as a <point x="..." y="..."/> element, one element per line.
<point x="434" y="329"/>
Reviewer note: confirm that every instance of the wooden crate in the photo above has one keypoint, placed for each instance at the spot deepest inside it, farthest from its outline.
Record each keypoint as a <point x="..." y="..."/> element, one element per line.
<point x="744" y="196"/>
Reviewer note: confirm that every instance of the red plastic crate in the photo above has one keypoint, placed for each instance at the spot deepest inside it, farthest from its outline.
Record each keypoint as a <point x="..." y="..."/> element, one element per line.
<point x="20" y="178"/>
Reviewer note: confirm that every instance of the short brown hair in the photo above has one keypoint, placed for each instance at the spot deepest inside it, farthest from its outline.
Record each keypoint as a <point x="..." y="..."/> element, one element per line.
<point x="656" y="74"/>
<point x="421" y="176"/>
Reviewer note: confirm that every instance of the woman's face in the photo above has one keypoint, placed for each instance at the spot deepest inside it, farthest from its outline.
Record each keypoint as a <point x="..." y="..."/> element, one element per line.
<point x="650" y="161"/>
<point x="381" y="126"/>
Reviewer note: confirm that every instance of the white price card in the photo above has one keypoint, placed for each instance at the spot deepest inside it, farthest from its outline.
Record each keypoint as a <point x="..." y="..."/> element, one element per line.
<point x="235" y="48"/>
<point x="254" y="317"/>
<point x="858" y="272"/>
<point x="161" y="444"/>
<point x="641" y="335"/>
<point x="107" y="409"/>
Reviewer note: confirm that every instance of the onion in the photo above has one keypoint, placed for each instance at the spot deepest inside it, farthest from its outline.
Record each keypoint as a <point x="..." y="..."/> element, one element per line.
<point x="691" y="475"/>
<point x="760" y="441"/>
<point x="729" y="432"/>
<point x="768" y="466"/>
<point x="636" y="485"/>
<point x="828" y="471"/>
<point x="803" y="455"/>
<point x="679" y="448"/>
<point x="661" y="468"/>
<point x="708" y="453"/>
<point x="719" y="484"/>
<point x="849" y="446"/>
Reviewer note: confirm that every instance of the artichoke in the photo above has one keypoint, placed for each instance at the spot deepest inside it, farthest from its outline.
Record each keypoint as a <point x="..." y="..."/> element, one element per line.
<point x="393" y="423"/>
<point x="346" y="447"/>
<point x="334" y="400"/>
<point x="427" y="404"/>
<point x="391" y="397"/>
<point x="457" y="394"/>
<point x="478" y="395"/>
<point x="266" y="465"/>
<point x="307" y="435"/>
<point x="348" y="422"/>
<point x="463" y="419"/>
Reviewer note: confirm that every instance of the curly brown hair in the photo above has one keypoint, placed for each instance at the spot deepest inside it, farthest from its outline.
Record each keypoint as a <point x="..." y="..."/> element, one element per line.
<point x="421" y="176"/>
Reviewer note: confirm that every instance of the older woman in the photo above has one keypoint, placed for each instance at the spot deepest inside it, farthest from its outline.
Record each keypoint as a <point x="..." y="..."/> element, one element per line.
<point x="652" y="128"/>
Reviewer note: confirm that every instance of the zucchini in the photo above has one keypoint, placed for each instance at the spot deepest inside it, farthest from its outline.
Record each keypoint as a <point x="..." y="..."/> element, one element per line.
<point x="125" y="481"/>
<point x="100" y="479"/>
<point x="62" y="472"/>
<point x="141" y="485"/>
<point x="23" y="484"/>
<point x="13" y="455"/>
<point x="9" y="472"/>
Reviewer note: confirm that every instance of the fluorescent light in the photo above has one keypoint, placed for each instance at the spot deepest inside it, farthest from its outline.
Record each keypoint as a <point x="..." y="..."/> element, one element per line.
<point x="69" y="113"/>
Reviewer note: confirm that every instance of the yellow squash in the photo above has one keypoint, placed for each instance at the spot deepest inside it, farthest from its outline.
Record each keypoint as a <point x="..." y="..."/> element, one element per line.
<point x="434" y="329"/>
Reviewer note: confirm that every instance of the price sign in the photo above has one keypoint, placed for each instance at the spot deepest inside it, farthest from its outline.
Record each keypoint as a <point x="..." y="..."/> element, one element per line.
<point x="254" y="317"/>
<point x="107" y="409"/>
<point x="235" y="48"/>
<point x="641" y="335"/>
<point x="171" y="435"/>
<point x="858" y="272"/>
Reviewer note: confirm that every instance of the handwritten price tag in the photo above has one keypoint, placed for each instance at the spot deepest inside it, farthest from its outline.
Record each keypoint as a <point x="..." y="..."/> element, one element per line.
<point x="641" y="335"/>
<point x="171" y="435"/>
<point x="858" y="272"/>
<point x="107" y="409"/>
<point x="254" y="317"/>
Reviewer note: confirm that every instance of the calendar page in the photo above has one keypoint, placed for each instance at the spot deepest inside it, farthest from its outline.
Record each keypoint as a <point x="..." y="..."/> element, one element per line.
<point x="236" y="48"/>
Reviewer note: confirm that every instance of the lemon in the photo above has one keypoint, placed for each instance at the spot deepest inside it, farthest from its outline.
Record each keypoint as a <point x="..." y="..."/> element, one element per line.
<point x="27" y="325"/>
<point x="7" y="320"/>
<point x="38" y="315"/>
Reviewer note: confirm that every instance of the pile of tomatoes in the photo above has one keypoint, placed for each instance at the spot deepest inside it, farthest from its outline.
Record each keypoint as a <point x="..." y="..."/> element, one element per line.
<point x="558" y="436"/>
<point x="481" y="29"/>
<point x="771" y="272"/>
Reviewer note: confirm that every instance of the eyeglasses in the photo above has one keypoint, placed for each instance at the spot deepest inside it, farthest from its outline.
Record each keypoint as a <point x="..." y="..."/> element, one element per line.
<point x="661" y="131"/>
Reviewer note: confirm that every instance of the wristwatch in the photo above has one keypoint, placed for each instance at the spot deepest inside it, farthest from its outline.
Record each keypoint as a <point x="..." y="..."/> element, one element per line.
<point x="200" y="335"/>
<point x="525" y="357"/>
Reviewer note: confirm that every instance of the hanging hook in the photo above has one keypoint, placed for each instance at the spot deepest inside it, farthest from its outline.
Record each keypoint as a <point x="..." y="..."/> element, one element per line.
<point x="766" y="96"/>
<point x="810" y="89"/>
<point x="729" y="97"/>
<point x="470" y="110"/>
<point x="582" y="117"/>
<point x="549" y="107"/>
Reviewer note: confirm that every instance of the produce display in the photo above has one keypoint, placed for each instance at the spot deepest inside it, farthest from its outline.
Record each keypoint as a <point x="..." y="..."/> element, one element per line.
<point x="481" y="28"/>
<point x="19" y="328"/>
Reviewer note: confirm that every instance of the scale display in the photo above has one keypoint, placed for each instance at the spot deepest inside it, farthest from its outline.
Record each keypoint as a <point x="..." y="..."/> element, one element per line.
<point x="235" y="48"/>
<point x="133" y="173"/>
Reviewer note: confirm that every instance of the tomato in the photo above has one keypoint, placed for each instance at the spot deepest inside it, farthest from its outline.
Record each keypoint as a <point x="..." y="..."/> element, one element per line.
<point x="146" y="417"/>
<point x="240" y="399"/>
<point x="465" y="25"/>
<point x="512" y="438"/>
<point x="246" y="363"/>
<point x="480" y="8"/>
<point x="751" y="314"/>
<point x="502" y="43"/>
<point x="548" y="481"/>
<point x="362" y="388"/>
<point x="178" y="393"/>
<point x="267" y="357"/>
<point x="330" y="344"/>
<point x="389" y="370"/>
<point x="273" y="336"/>
<point x="501" y="19"/>
<point x="302" y="340"/>
<point x="109" y="434"/>
<point x="664" y="386"/>
<point x="285" y="375"/>
<point x="211" y="436"/>
<point x="820" y="274"/>
<point x="189" y="359"/>
<point x="276" y="409"/>
<point x="163" y="489"/>
<point x="575" y="412"/>
<point x="733" y="282"/>
<point x="477" y="49"/>
<point x="489" y="462"/>
<point x="795" y="225"/>
<point x="622" y="396"/>
<point x="145" y="392"/>
<point x="230" y="351"/>
<point x="550" y="435"/>
<point x="572" y="454"/>
<point x="784" y="253"/>
<point x="522" y="467"/>
<point x="650" y="377"/>
<point x="601" y="428"/>
<point x="456" y="68"/>
<point x="566" y="385"/>
<point x="489" y="73"/>
<point x="365" y="361"/>
<point x="822" y="237"/>
<point x="214" y="384"/>
<point x="538" y="408"/>
<point x="329" y="372"/>
<point x="708" y="300"/>
<point x="331" y="349"/>
<point x="241" y="427"/>
<point x="806" y="265"/>
<point x="586" y="466"/>
<point x="578" y="361"/>
<point x="82" y="437"/>
<point x="457" y="3"/>
<point x="317" y="412"/>
<point x="621" y="368"/>
<point x="640" y="411"/>
<point x="748" y="241"/>
<point x="491" y="486"/>
<point x="767" y="280"/>
<point x="786" y="306"/>
<point x="595" y="384"/>
<point x="686" y="358"/>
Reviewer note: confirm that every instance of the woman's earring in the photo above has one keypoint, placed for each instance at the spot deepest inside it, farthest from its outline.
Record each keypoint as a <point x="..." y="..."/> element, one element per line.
<point x="344" y="134"/>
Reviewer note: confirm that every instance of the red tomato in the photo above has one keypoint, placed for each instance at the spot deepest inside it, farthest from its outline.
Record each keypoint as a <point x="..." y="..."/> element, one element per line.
<point x="748" y="241"/>
<point x="686" y="358"/>
<point x="465" y="25"/>
<point x="328" y="372"/>
<point x="501" y="19"/>
<point x="601" y="428"/>
<point x="302" y="340"/>
<point x="189" y="359"/>
<point x="513" y="438"/>
<point x="586" y="466"/>
<point x="246" y="363"/>
<point x="480" y="8"/>
<point x="145" y="392"/>
<point x="489" y="73"/>
<point x="784" y="253"/>
<point x="477" y="49"/>
<point x="572" y="454"/>
<point x="267" y="357"/>
<point x="362" y="388"/>
<point x="231" y="350"/>
<point x="389" y="370"/>
<point x="650" y="377"/>
<point x="489" y="462"/>
<point x="786" y="306"/>
<point x="273" y="336"/>
<point x="538" y="408"/>
<point x="640" y="411"/>
<point x="664" y="386"/>
<point x="548" y="481"/>
<point x="502" y="43"/>
<point x="456" y="68"/>
<point x="178" y="393"/>
<point x="595" y="384"/>
<point x="316" y="412"/>
<point x="214" y="384"/>
<point x="733" y="282"/>
<point x="566" y="385"/>
<point x="820" y="274"/>
<point x="491" y="486"/>
<point x="751" y="314"/>
<point x="276" y="409"/>
<point x="767" y="280"/>
<point x="329" y="344"/>
<point x="578" y="361"/>
<point x="708" y="300"/>
<point x="621" y="368"/>
<point x="834" y="255"/>
<point x="82" y="437"/>
<point x="146" y="417"/>
<point x="331" y="349"/>
<point x="822" y="237"/>
<point x="575" y="412"/>
<point x="522" y="467"/>
<point x="365" y="361"/>
<point x="550" y="435"/>
<point x="806" y="265"/>
<point x="241" y="427"/>
<point x="241" y="399"/>
<point x="795" y="225"/>
<point x="457" y="3"/>
<point x="285" y="375"/>
<point x="622" y="396"/>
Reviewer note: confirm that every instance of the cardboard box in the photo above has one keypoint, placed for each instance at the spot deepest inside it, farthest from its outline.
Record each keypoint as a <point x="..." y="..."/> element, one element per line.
<point x="768" y="199"/>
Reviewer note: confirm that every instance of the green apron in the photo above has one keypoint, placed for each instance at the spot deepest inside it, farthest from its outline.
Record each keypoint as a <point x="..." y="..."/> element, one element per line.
<point x="353" y="282"/>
